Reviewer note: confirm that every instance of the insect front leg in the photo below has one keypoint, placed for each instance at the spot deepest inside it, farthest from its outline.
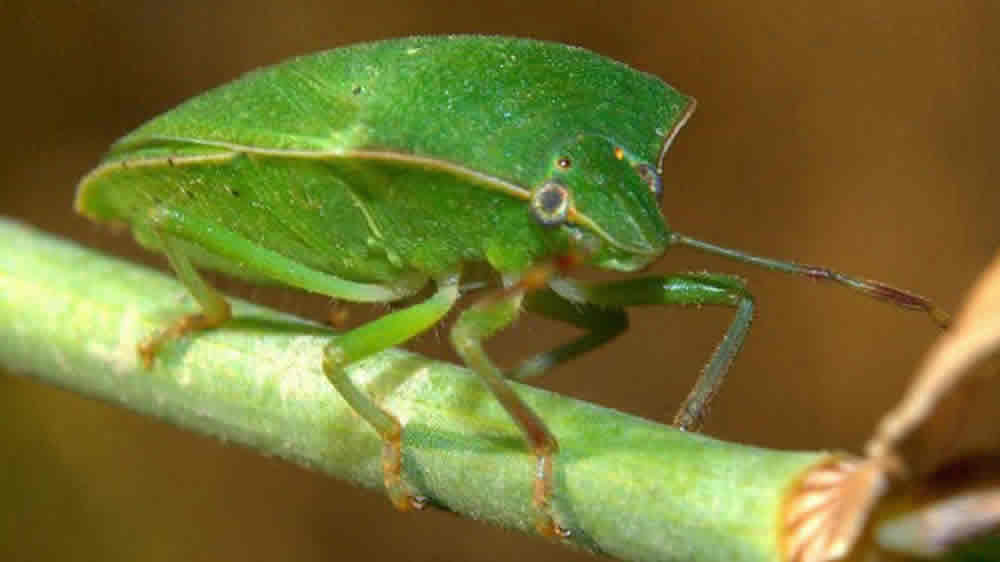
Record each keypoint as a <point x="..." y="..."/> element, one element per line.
<point x="596" y="303"/>
<point x="476" y="324"/>
<point x="363" y="341"/>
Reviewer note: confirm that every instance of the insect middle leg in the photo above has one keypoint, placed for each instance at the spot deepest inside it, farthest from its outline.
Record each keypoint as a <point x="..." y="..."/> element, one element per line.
<point x="363" y="341"/>
<point x="172" y="231"/>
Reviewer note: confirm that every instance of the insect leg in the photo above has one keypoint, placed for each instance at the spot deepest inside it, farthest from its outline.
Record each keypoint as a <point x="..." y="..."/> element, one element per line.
<point x="687" y="289"/>
<point x="363" y="341"/>
<point x="176" y="232"/>
<point x="259" y="262"/>
<point x="477" y="323"/>
<point x="215" y="309"/>
<point x="693" y="411"/>
<point x="603" y="324"/>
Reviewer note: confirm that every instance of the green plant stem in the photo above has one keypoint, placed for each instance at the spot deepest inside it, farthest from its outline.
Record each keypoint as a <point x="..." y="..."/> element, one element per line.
<point x="627" y="487"/>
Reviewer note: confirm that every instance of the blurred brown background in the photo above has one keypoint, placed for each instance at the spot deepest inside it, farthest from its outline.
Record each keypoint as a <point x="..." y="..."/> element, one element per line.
<point x="862" y="138"/>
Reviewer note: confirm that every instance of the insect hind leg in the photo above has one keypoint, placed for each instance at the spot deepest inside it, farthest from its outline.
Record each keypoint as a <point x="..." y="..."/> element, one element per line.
<point x="215" y="310"/>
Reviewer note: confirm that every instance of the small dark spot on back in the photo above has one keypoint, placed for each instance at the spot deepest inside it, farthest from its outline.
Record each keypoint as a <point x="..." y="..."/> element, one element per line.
<point x="356" y="90"/>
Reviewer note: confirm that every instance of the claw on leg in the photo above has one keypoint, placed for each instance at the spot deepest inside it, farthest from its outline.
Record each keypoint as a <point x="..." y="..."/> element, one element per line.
<point x="188" y="324"/>
<point x="392" y="474"/>
<point x="545" y="524"/>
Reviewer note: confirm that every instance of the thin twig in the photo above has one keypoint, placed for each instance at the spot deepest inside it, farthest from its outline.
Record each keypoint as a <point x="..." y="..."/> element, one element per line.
<point x="629" y="488"/>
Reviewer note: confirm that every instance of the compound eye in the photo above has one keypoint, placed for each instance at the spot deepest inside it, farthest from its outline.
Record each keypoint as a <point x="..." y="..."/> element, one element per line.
<point x="649" y="176"/>
<point x="550" y="203"/>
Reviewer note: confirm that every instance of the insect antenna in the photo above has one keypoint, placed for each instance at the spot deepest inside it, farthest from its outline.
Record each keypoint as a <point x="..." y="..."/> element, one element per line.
<point x="875" y="289"/>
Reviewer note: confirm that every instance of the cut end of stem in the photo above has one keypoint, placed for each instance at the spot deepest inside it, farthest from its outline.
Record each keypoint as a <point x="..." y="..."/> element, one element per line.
<point x="827" y="511"/>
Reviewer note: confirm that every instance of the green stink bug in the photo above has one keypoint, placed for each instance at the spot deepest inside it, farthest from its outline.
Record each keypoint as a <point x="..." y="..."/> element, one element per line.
<point x="368" y="172"/>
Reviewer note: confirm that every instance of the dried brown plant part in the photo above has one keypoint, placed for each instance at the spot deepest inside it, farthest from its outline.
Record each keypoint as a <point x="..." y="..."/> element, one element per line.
<point x="827" y="511"/>
<point x="826" y="515"/>
<point x="935" y="529"/>
<point x="948" y="374"/>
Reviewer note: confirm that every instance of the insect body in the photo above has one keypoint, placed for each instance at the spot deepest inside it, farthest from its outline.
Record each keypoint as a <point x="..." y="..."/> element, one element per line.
<point x="367" y="172"/>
